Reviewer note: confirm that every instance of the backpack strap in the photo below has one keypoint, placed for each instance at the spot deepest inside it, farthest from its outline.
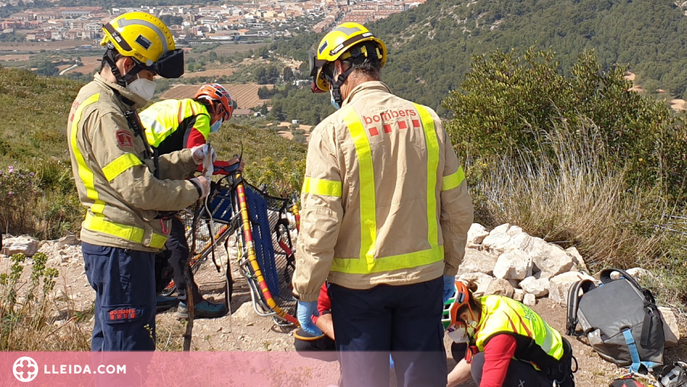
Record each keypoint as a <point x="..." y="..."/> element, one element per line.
<point x="634" y="353"/>
<point x="574" y="302"/>
<point x="605" y="277"/>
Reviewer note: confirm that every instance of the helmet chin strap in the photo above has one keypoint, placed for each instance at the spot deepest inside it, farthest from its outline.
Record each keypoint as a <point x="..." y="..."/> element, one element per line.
<point x="336" y="85"/>
<point x="108" y="57"/>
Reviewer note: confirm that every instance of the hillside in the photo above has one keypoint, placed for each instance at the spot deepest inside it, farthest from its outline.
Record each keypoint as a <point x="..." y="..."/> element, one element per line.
<point x="34" y="145"/>
<point x="431" y="46"/>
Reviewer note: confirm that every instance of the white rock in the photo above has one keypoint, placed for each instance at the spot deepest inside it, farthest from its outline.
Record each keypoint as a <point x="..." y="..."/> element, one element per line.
<point x="500" y="287"/>
<point x="477" y="261"/>
<point x="513" y="265"/>
<point x="476" y="234"/>
<point x="538" y="287"/>
<point x="480" y="280"/>
<point x="245" y="311"/>
<point x="581" y="264"/>
<point x="548" y="258"/>
<point x="497" y="238"/>
<point x="529" y="300"/>
<point x="518" y="295"/>
<point x="560" y="284"/>
<point x="69" y="240"/>
<point x="639" y="273"/>
<point x="514" y="230"/>
<point x="671" y="329"/>
<point x="519" y="241"/>
<point x="23" y="244"/>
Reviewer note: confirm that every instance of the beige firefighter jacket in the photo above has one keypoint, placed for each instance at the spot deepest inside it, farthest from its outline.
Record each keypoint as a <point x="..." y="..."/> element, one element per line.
<point x="114" y="177"/>
<point x="412" y="225"/>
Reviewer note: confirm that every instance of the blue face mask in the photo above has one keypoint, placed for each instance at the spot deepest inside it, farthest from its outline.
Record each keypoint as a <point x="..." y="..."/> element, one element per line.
<point x="215" y="127"/>
<point x="333" y="101"/>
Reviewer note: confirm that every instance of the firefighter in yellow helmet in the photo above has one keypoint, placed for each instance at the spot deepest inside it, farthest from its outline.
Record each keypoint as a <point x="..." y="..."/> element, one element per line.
<point x="126" y="191"/>
<point x="385" y="218"/>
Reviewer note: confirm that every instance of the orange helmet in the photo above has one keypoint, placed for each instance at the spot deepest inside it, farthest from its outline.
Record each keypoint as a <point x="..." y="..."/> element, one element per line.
<point x="215" y="92"/>
<point x="453" y="305"/>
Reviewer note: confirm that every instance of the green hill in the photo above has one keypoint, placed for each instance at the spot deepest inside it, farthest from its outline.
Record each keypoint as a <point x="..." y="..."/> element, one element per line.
<point x="431" y="46"/>
<point x="38" y="196"/>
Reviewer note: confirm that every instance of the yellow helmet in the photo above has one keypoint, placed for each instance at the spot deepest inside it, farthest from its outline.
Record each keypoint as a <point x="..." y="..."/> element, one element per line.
<point x="147" y="39"/>
<point x="337" y="44"/>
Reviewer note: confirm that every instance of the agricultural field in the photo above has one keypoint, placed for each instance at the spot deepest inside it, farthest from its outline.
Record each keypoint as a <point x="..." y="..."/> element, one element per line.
<point x="246" y="95"/>
<point x="210" y="73"/>
<point x="37" y="46"/>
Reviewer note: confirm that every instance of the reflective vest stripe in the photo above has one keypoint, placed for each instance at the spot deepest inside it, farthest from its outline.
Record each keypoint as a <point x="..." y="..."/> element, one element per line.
<point x="453" y="180"/>
<point x="120" y="164"/>
<point x="366" y="262"/>
<point x="84" y="172"/>
<point x="322" y="187"/>
<point x="97" y="222"/>
<point x="163" y="118"/>
<point x="432" y="147"/>
<point x="368" y="196"/>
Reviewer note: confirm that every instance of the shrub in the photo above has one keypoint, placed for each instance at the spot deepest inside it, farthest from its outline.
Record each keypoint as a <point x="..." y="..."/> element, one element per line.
<point x="42" y="203"/>
<point x="26" y="313"/>
<point x="19" y="191"/>
<point x="509" y="101"/>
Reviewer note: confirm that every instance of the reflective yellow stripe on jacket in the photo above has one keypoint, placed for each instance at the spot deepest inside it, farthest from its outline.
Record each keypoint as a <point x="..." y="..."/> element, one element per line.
<point x="368" y="222"/>
<point x="505" y="315"/>
<point x="95" y="220"/>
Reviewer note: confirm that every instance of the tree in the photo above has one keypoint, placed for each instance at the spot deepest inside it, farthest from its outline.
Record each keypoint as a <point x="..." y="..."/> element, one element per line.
<point x="509" y="104"/>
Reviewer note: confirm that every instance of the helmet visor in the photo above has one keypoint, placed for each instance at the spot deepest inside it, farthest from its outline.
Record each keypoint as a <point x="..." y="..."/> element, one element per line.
<point x="170" y="64"/>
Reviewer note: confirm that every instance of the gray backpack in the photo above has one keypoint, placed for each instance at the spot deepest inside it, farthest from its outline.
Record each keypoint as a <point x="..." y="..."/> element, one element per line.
<point x="620" y="320"/>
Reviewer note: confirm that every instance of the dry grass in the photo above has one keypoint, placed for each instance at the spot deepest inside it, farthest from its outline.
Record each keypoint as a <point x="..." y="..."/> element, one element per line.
<point x="575" y="198"/>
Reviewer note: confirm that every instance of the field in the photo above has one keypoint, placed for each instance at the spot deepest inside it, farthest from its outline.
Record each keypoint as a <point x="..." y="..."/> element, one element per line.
<point x="246" y="95"/>
<point x="37" y="46"/>
<point x="210" y="73"/>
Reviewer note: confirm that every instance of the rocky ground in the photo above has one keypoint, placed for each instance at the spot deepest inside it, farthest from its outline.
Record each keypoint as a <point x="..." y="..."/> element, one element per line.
<point x="244" y="330"/>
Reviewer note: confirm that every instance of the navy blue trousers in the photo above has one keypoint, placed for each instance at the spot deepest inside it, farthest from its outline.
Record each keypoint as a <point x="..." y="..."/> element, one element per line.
<point x="178" y="246"/>
<point x="124" y="284"/>
<point x="403" y="320"/>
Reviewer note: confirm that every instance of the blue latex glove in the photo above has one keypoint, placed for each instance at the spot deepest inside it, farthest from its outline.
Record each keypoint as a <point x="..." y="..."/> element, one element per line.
<point x="304" y="314"/>
<point x="449" y="287"/>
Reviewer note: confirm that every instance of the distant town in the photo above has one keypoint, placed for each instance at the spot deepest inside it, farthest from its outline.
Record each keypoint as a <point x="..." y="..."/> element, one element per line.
<point x="194" y="24"/>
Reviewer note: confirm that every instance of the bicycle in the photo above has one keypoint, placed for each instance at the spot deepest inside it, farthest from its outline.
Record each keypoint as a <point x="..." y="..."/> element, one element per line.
<point x="261" y="231"/>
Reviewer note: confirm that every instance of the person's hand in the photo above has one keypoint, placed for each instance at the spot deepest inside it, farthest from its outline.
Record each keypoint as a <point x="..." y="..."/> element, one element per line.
<point x="236" y="160"/>
<point x="203" y="185"/>
<point x="304" y="313"/>
<point x="449" y="287"/>
<point x="199" y="152"/>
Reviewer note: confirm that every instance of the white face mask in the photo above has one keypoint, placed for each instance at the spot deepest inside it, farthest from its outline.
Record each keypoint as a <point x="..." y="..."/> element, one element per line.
<point x="142" y="87"/>
<point x="458" y="334"/>
<point x="215" y="127"/>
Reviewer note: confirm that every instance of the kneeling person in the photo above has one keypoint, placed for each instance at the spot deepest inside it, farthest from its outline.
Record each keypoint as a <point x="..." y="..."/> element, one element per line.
<point x="508" y="343"/>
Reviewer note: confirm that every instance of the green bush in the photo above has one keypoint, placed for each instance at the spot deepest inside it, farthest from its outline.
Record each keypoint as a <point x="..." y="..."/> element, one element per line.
<point x="509" y="102"/>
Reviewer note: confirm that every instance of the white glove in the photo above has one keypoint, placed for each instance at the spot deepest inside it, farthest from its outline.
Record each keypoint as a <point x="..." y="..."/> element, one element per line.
<point x="203" y="185"/>
<point x="199" y="153"/>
